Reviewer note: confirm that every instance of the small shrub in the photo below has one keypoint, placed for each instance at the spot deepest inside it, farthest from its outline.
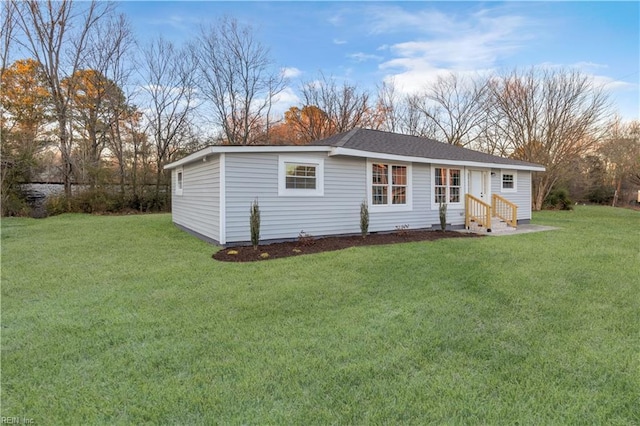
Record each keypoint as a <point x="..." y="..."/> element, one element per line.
<point x="364" y="219"/>
<point x="232" y="252"/>
<point x="96" y="200"/>
<point x="149" y="202"/>
<point x="305" y="239"/>
<point x="56" y="205"/>
<point x="558" y="199"/>
<point x="104" y="200"/>
<point x="254" y="223"/>
<point x="264" y="255"/>
<point x="402" y="230"/>
<point x="601" y="195"/>
<point x="14" y="204"/>
<point x="443" y="216"/>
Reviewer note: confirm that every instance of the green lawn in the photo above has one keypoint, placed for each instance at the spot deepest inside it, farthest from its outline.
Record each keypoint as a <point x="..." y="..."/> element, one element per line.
<point x="121" y="320"/>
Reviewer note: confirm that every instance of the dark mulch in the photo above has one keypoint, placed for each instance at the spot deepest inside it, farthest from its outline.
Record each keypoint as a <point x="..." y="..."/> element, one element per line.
<point x="308" y="245"/>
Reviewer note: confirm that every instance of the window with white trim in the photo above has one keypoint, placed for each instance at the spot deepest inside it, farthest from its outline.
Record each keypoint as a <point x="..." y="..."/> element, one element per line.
<point x="389" y="184"/>
<point x="179" y="181"/>
<point x="300" y="176"/>
<point x="447" y="185"/>
<point x="509" y="181"/>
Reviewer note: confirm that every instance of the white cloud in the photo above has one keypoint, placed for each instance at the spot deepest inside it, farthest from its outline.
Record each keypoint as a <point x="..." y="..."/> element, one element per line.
<point x="465" y="44"/>
<point x="611" y="84"/>
<point x="362" y="57"/>
<point x="394" y="19"/>
<point x="336" y="19"/>
<point x="591" y="70"/>
<point x="283" y="101"/>
<point x="338" y="41"/>
<point x="291" y="72"/>
<point x="181" y="23"/>
<point x="588" y="65"/>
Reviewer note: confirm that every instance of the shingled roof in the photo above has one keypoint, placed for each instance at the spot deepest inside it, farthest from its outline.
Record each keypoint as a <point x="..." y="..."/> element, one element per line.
<point x="412" y="146"/>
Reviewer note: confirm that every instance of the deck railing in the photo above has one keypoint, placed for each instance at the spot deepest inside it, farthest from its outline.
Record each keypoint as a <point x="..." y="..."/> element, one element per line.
<point x="505" y="210"/>
<point x="478" y="211"/>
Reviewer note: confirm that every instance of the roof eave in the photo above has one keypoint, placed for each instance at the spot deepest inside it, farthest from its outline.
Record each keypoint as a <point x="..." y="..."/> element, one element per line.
<point x="411" y="159"/>
<point x="221" y="149"/>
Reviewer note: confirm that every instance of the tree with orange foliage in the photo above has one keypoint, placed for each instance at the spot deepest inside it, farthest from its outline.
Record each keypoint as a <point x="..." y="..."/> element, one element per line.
<point x="97" y="104"/>
<point x="307" y="124"/>
<point x="57" y="35"/>
<point x="327" y="109"/>
<point x="25" y="109"/>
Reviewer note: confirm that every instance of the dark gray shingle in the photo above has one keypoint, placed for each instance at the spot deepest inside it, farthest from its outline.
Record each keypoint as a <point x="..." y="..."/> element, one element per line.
<point x="411" y="146"/>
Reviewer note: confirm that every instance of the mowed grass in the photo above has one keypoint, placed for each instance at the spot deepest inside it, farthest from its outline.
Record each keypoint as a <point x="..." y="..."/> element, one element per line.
<point x="122" y="320"/>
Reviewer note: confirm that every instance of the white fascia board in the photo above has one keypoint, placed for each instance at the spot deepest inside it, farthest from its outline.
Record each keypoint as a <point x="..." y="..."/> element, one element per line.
<point x="393" y="157"/>
<point x="222" y="149"/>
<point x="191" y="158"/>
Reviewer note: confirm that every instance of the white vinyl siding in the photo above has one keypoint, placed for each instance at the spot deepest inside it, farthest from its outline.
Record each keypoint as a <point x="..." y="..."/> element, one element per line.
<point x="347" y="182"/>
<point x="250" y="176"/>
<point x="198" y="208"/>
<point x="253" y="176"/>
<point x="521" y="197"/>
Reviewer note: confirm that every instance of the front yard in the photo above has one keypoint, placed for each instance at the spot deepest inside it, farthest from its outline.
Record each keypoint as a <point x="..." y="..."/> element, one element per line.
<point x="120" y="320"/>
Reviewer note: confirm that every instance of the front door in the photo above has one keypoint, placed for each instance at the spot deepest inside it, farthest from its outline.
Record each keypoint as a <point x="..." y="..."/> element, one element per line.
<point x="478" y="185"/>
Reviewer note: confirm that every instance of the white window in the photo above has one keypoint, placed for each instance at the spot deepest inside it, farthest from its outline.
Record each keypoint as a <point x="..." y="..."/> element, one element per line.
<point x="300" y="176"/>
<point x="389" y="185"/>
<point x="509" y="181"/>
<point x="447" y="185"/>
<point x="179" y="181"/>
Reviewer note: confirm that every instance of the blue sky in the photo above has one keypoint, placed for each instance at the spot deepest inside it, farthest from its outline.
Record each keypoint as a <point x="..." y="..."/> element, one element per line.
<point x="414" y="42"/>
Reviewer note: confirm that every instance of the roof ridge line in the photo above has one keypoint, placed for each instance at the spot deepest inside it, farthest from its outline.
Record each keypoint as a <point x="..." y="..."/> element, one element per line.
<point x="346" y="137"/>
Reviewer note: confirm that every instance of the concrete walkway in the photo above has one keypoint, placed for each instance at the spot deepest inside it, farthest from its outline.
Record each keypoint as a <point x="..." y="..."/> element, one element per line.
<point x="521" y="229"/>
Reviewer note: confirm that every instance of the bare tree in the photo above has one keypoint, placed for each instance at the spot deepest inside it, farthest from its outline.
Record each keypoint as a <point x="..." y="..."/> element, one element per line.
<point x="99" y="101"/>
<point x="455" y="108"/>
<point x="621" y="152"/>
<point x="328" y="109"/>
<point x="415" y="122"/>
<point x="549" y="117"/>
<point x="237" y="78"/>
<point x="168" y="76"/>
<point x="389" y="108"/>
<point x="57" y="35"/>
<point x="6" y="33"/>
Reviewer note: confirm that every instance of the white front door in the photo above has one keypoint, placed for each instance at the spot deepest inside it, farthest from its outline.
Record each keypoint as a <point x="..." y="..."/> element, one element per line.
<point x="478" y="185"/>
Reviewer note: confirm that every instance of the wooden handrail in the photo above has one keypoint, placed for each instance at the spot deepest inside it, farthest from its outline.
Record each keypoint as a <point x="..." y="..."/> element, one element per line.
<point x="477" y="210"/>
<point x="504" y="209"/>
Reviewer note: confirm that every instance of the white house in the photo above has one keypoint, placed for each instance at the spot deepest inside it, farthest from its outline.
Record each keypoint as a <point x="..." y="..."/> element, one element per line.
<point x="319" y="188"/>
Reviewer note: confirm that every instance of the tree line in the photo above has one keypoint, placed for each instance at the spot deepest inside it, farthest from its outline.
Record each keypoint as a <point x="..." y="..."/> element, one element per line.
<point x="87" y="104"/>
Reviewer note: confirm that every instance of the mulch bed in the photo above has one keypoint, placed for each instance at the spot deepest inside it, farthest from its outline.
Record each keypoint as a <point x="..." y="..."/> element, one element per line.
<point x="308" y="245"/>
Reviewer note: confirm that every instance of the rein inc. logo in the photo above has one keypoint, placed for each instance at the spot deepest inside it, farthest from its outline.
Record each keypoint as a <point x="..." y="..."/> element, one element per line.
<point x="16" y="421"/>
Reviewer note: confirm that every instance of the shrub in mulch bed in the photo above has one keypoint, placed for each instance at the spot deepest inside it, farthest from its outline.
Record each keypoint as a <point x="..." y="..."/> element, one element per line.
<point x="295" y="248"/>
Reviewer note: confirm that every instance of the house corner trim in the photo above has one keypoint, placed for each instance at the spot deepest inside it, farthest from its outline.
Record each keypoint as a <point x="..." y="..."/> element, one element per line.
<point x="223" y="200"/>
